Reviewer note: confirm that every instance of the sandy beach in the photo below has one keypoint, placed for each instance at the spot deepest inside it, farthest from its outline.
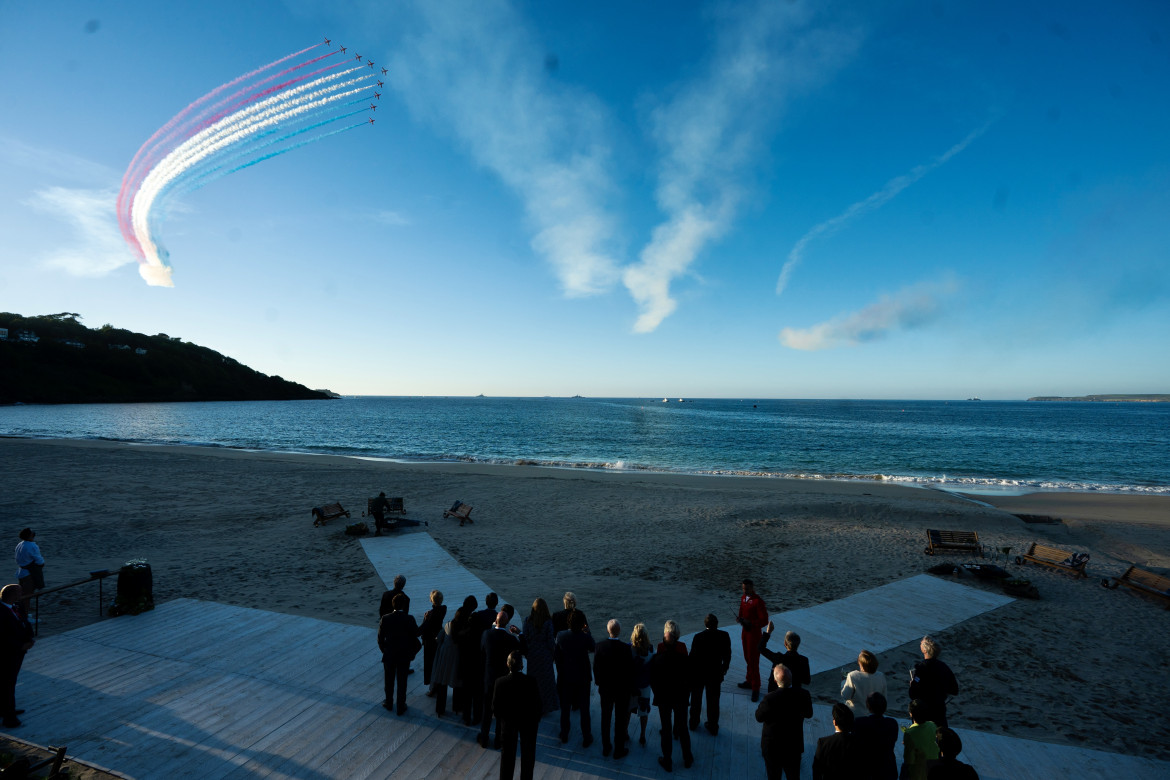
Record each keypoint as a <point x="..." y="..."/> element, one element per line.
<point x="1082" y="665"/>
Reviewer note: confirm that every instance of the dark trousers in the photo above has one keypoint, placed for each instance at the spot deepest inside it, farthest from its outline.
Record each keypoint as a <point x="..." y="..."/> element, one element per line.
<point x="430" y="644"/>
<point x="575" y="695"/>
<point x="440" y="699"/>
<point x="678" y="713"/>
<point x="778" y="762"/>
<point x="486" y="727"/>
<point x="10" y="664"/>
<point x="396" y="670"/>
<point x="615" y="704"/>
<point x="711" y="688"/>
<point x="526" y="735"/>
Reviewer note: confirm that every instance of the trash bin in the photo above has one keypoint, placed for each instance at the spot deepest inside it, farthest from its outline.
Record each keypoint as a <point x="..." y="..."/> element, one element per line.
<point x="135" y="589"/>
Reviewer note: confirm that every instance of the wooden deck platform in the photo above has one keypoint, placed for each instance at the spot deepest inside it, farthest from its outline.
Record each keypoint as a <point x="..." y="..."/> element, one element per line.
<point x="204" y="690"/>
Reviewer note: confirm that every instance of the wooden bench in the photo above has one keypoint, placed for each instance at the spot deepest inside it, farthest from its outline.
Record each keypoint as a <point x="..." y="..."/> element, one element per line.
<point x="460" y="510"/>
<point x="959" y="541"/>
<point x="1143" y="582"/>
<point x="1054" y="557"/>
<point x="323" y="514"/>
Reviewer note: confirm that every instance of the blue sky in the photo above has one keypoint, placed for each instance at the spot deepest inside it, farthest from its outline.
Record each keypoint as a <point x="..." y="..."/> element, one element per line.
<point x="787" y="200"/>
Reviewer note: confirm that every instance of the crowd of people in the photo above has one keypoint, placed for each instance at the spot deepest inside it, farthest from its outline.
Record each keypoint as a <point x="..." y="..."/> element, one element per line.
<point x="478" y="656"/>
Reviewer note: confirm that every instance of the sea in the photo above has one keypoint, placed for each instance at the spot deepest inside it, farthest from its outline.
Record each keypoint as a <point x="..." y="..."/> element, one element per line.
<point x="968" y="446"/>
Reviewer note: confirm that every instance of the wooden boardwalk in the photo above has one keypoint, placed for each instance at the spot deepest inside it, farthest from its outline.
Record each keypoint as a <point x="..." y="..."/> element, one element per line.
<point x="203" y="690"/>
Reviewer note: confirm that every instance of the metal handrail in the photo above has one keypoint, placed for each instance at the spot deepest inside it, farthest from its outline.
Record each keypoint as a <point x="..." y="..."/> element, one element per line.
<point x="99" y="575"/>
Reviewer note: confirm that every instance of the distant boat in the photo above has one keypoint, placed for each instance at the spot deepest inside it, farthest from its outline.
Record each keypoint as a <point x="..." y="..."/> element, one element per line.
<point x="665" y="400"/>
<point x="974" y="399"/>
<point x="481" y="395"/>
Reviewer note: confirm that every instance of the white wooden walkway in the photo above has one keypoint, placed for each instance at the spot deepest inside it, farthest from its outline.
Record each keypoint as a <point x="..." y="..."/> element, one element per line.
<point x="204" y="690"/>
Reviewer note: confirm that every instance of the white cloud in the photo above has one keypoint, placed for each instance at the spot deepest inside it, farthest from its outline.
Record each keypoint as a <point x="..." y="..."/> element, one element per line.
<point x="910" y="308"/>
<point x="473" y="69"/>
<point x="874" y="201"/>
<point x="713" y="130"/>
<point x="99" y="248"/>
<point x="56" y="164"/>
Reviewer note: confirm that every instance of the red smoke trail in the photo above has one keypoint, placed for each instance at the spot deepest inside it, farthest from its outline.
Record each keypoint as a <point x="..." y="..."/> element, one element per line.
<point x="131" y="180"/>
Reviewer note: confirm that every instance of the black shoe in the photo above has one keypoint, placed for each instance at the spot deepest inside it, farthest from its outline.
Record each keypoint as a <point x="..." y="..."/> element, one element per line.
<point x="481" y="741"/>
<point x="410" y="671"/>
<point x="712" y="730"/>
<point x="620" y="753"/>
<point x="497" y="745"/>
<point x="606" y="750"/>
<point x="642" y="740"/>
<point x="402" y="710"/>
<point x="755" y="695"/>
<point x="665" y="764"/>
<point x="688" y="762"/>
<point x="388" y="706"/>
<point x="18" y="712"/>
<point x="564" y="738"/>
<point x="588" y="741"/>
<point x="745" y="685"/>
<point x="694" y="727"/>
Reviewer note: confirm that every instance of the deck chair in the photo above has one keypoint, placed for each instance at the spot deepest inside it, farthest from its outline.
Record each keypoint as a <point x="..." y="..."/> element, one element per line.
<point x="460" y="510"/>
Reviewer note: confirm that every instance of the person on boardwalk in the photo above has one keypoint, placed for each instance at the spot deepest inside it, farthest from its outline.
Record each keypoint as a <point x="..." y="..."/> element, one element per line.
<point x="517" y="704"/>
<point x="670" y="679"/>
<point x="538" y="642"/>
<point x="378" y="508"/>
<point x="918" y="743"/>
<point x="877" y="737"/>
<point x="467" y="640"/>
<point x="486" y="617"/>
<point x="429" y="631"/>
<point x="861" y="682"/>
<point x="752" y="617"/>
<point x="30" y="564"/>
<point x="931" y="682"/>
<point x="613" y="669"/>
<point x="446" y="671"/>
<point x="398" y="640"/>
<point x="561" y="618"/>
<point x="783" y="712"/>
<point x="386" y="606"/>
<point x="643" y="652"/>
<point x="574" y="679"/>
<point x="948" y="766"/>
<point x="796" y="662"/>
<point x="16" y="639"/>
<point x="497" y="644"/>
<point x="836" y="756"/>
<point x="710" y="660"/>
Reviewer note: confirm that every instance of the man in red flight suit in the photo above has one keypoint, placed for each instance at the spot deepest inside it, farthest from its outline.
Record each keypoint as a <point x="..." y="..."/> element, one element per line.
<point x="752" y="617"/>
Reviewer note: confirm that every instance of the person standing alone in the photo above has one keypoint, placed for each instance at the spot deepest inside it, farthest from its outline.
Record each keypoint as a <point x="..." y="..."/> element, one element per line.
<point x="30" y="565"/>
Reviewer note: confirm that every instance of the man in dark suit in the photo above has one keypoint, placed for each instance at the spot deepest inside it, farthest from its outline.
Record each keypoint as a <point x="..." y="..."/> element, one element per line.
<point x="516" y="702"/>
<point x="783" y="713"/>
<point x="670" y="681"/>
<point x="571" y="654"/>
<point x="796" y="662"/>
<point x="560" y="619"/>
<point x="386" y="606"/>
<point x="398" y="640"/>
<point x="836" y="757"/>
<point x="877" y="737"/>
<point x="710" y="660"/>
<point x="613" y="669"/>
<point x="931" y="682"/>
<point x="497" y="644"/>
<point x="16" y="639"/>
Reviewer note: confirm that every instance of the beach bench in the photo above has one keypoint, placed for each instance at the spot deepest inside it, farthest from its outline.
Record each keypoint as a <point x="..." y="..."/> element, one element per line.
<point x="1143" y="582"/>
<point x="1056" y="558"/>
<point x="460" y="510"/>
<point x="959" y="541"/>
<point x="392" y="505"/>
<point x="323" y="514"/>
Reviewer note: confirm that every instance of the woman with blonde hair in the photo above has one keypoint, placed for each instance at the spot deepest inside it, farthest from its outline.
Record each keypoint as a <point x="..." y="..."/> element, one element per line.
<point x="861" y="682"/>
<point x="538" y="642"/>
<point x="640" y="700"/>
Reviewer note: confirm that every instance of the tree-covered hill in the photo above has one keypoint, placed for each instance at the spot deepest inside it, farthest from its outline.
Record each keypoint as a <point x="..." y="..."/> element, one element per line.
<point x="54" y="359"/>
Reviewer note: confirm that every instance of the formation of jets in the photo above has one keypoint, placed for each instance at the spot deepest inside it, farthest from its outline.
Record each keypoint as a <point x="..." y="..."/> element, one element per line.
<point x="370" y="65"/>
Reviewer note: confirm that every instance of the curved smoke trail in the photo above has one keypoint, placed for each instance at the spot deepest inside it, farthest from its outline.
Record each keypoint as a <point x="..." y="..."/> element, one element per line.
<point x="233" y="127"/>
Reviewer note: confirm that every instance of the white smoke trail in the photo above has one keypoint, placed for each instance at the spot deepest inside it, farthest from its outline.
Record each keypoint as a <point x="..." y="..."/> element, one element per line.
<point x="231" y="129"/>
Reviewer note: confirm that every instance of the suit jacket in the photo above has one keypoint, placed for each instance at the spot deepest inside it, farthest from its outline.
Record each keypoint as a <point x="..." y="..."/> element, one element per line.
<point x="796" y="662"/>
<point x="15" y="633"/>
<point x="710" y="655"/>
<point x="398" y="637"/>
<point x="835" y="758"/>
<point x="561" y="620"/>
<point x="613" y="666"/>
<point x="433" y="622"/>
<point x="571" y="653"/>
<point x="783" y="713"/>
<point x="670" y="675"/>
<point x="516" y="701"/>
<point x="877" y="737"/>
<point x="496" y="644"/>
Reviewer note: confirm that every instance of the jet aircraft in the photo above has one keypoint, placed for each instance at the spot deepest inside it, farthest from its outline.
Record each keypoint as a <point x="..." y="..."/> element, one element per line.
<point x="370" y="63"/>
<point x="358" y="58"/>
<point x="383" y="71"/>
<point x="371" y="121"/>
<point x="377" y="96"/>
<point x="379" y="83"/>
<point x="373" y="107"/>
<point x="326" y="41"/>
<point x="343" y="50"/>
